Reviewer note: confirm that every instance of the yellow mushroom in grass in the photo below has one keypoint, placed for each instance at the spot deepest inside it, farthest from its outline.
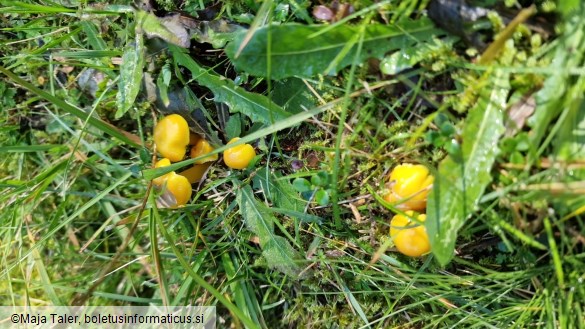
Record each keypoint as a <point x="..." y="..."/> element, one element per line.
<point x="238" y="157"/>
<point x="202" y="147"/>
<point x="409" y="236"/>
<point x="173" y="184"/>
<point x="171" y="136"/>
<point x="410" y="186"/>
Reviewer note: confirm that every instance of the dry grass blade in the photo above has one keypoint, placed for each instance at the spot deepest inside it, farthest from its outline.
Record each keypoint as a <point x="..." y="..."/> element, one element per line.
<point x="494" y="48"/>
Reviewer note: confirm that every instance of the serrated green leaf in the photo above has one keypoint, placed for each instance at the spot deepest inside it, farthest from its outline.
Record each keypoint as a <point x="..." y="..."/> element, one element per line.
<point x="408" y="57"/>
<point x="130" y="75"/>
<point x="281" y="255"/>
<point x="216" y="32"/>
<point x="279" y="191"/>
<point x="256" y="215"/>
<point x="304" y="51"/>
<point x="293" y="95"/>
<point x="302" y="216"/>
<point x="258" y="107"/>
<point x="460" y="183"/>
<point x="233" y="127"/>
<point x="259" y="219"/>
<point x="167" y="28"/>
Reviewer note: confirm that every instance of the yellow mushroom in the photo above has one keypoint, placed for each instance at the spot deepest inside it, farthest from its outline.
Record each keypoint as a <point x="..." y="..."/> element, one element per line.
<point x="177" y="185"/>
<point x="202" y="147"/>
<point x="171" y="136"/>
<point x="238" y="157"/>
<point x="410" y="237"/>
<point x="410" y="186"/>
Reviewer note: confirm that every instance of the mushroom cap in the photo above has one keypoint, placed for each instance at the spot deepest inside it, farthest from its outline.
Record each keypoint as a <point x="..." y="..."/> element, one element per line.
<point x="180" y="187"/>
<point x="238" y="157"/>
<point x="171" y="136"/>
<point x="177" y="185"/>
<point x="409" y="236"/>
<point x="164" y="162"/>
<point x="410" y="186"/>
<point x="202" y="147"/>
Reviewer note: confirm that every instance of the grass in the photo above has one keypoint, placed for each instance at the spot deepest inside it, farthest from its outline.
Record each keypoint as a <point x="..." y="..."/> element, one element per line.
<point x="80" y="222"/>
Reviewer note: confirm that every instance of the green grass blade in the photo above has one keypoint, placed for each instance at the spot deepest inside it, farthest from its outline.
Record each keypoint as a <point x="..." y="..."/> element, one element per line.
<point x="69" y="219"/>
<point x="200" y="281"/>
<point x="558" y="264"/>
<point x="239" y="288"/>
<point x="162" y="280"/>
<point x="32" y="148"/>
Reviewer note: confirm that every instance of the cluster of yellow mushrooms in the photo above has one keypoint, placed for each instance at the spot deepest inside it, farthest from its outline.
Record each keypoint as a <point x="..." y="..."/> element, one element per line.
<point x="173" y="138"/>
<point x="410" y="185"/>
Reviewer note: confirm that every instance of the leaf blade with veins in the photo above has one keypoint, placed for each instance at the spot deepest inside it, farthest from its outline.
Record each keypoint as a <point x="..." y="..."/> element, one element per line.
<point x="461" y="180"/>
<point x="259" y="219"/>
<point x="303" y="51"/>
<point x="258" y="107"/>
